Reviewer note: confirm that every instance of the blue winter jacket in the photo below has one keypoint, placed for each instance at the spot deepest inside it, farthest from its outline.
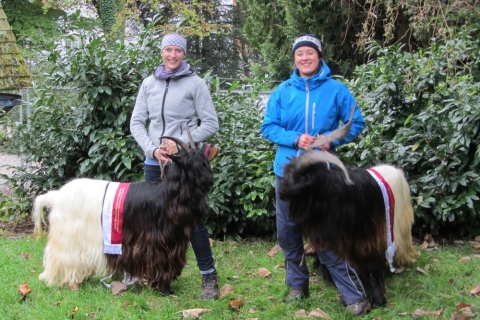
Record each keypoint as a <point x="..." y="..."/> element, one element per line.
<point x="314" y="106"/>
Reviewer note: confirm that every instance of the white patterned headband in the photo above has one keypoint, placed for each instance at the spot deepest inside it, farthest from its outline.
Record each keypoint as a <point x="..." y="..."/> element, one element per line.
<point x="174" y="39"/>
<point x="307" y="41"/>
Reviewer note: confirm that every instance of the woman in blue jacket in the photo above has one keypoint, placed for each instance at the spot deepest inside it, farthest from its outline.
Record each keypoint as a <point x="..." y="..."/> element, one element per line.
<point x="308" y="104"/>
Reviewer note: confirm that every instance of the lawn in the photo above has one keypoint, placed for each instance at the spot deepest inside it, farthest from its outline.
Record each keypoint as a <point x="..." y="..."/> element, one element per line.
<point x="437" y="284"/>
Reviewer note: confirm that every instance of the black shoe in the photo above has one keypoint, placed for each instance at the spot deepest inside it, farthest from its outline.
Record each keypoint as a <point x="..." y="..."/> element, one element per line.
<point x="210" y="286"/>
<point x="296" y="295"/>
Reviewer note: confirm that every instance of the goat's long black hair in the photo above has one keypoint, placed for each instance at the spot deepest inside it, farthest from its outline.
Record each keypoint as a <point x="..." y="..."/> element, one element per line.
<point x="347" y="219"/>
<point x="159" y="217"/>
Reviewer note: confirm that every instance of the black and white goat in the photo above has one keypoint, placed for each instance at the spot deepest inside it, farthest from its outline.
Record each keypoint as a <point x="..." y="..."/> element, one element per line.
<point x="156" y="224"/>
<point x="365" y="216"/>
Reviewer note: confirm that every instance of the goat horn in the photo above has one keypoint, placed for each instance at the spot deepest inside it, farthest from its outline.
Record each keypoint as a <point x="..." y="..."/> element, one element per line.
<point x="177" y="141"/>
<point x="190" y="138"/>
<point x="335" y="134"/>
<point x="311" y="156"/>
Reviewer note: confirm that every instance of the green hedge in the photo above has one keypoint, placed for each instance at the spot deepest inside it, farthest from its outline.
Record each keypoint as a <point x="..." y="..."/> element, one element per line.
<point x="423" y="115"/>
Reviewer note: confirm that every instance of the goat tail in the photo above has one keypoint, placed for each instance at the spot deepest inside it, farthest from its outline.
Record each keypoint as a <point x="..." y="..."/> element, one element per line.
<point x="404" y="219"/>
<point x="41" y="203"/>
<point x="404" y="216"/>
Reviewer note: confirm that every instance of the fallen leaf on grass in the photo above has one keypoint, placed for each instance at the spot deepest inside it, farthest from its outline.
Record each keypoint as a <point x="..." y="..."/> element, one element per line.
<point x="300" y="314"/>
<point x="462" y="305"/>
<point x="194" y="312"/>
<point x="403" y="314"/>
<point x="226" y="290"/>
<point x="421" y="312"/>
<point x="264" y="272"/>
<point x="24" y="290"/>
<point x="421" y="270"/>
<point x="278" y="266"/>
<point x="475" y="290"/>
<point x="236" y="303"/>
<point x="27" y="256"/>
<point x="274" y="251"/>
<point x="73" y="312"/>
<point x="253" y="319"/>
<point x="436" y="313"/>
<point x="33" y="271"/>
<point x="318" y="313"/>
<point x="118" y="288"/>
<point x="125" y="304"/>
<point x="429" y="243"/>
<point x="465" y="259"/>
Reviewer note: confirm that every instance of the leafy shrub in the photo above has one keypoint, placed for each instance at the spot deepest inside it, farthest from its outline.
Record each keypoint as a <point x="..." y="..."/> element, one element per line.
<point x="423" y="115"/>
<point x="82" y="130"/>
<point x="242" y="201"/>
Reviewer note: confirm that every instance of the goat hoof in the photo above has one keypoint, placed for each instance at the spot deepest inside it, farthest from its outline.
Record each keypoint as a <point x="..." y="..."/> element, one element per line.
<point x="166" y="291"/>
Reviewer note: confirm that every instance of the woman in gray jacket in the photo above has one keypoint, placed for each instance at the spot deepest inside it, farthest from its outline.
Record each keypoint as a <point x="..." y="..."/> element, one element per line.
<point x="171" y="98"/>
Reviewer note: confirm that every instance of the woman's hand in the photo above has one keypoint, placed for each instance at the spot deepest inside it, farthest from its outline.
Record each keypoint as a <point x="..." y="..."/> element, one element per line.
<point x="167" y="147"/>
<point x="305" y="141"/>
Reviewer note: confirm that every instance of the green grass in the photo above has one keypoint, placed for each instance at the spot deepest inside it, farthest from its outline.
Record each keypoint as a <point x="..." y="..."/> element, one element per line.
<point x="447" y="282"/>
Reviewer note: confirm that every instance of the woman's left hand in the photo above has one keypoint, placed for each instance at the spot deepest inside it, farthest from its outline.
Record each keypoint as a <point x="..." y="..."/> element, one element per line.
<point x="167" y="147"/>
<point x="325" y="146"/>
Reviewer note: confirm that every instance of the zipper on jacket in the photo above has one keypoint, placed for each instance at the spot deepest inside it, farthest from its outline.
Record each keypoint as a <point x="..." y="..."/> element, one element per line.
<point x="163" y="107"/>
<point x="313" y="114"/>
<point x="306" y="107"/>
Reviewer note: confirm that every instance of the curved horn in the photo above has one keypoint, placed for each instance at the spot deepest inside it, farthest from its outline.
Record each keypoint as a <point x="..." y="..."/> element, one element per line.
<point x="190" y="138"/>
<point x="311" y="157"/>
<point x="177" y="141"/>
<point x="335" y="134"/>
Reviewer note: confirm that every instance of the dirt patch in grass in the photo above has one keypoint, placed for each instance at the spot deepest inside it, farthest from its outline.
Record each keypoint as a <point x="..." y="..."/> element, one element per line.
<point x="16" y="229"/>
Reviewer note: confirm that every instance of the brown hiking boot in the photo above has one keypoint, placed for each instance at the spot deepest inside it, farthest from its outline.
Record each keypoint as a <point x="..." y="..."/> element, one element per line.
<point x="210" y="286"/>
<point x="359" y="308"/>
<point x="296" y="295"/>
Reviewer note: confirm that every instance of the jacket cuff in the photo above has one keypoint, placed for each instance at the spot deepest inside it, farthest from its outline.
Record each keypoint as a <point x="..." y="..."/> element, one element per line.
<point x="295" y="141"/>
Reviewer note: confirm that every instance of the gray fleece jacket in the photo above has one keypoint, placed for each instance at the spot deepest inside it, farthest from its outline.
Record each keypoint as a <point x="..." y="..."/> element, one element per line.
<point x="167" y="105"/>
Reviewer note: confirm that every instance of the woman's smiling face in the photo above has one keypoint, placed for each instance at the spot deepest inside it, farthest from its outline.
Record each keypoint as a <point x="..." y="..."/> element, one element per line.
<point x="307" y="61"/>
<point x="172" y="57"/>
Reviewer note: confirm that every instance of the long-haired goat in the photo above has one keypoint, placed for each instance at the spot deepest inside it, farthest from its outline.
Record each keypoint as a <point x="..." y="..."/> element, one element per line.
<point x="346" y="211"/>
<point x="157" y="221"/>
